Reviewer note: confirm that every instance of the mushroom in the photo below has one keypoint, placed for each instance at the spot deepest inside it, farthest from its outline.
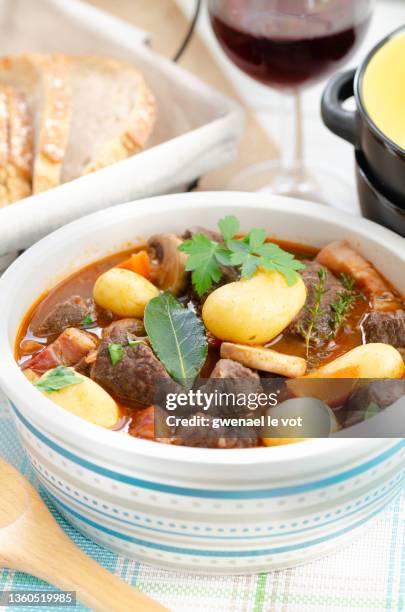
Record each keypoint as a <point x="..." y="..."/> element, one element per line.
<point x="264" y="359"/>
<point x="169" y="264"/>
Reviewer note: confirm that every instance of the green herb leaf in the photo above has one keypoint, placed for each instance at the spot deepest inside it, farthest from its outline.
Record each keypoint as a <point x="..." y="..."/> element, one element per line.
<point x="347" y="281"/>
<point x="252" y="252"/>
<point x="273" y="257"/>
<point x="246" y="260"/>
<point x="229" y="227"/>
<point x="116" y="352"/>
<point x="344" y="303"/>
<point x="202" y="261"/>
<point x="206" y="257"/>
<point x="238" y="246"/>
<point x="177" y="337"/>
<point x="223" y="257"/>
<point x="58" y="379"/>
<point x="134" y="342"/>
<point x="314" y="311"/>
<point x="256" y="238"/>
<point x="87" y="321"/>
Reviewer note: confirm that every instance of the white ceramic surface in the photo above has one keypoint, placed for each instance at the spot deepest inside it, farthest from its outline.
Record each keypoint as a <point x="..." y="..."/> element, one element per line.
<point x="234" y="511"/>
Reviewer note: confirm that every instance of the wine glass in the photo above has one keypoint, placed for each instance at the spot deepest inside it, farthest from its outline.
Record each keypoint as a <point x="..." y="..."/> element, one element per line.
<point x="289" y="45"/>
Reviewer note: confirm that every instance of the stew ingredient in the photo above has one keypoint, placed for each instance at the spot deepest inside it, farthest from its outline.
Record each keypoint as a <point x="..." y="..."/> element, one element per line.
<point x="217" y="306"/>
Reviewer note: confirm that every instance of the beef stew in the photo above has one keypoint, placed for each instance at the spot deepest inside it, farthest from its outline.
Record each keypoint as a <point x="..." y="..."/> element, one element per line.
<point x="243" y="306"/>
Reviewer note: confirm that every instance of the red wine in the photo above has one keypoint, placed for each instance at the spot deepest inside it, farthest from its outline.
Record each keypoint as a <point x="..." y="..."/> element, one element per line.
<point x="288" y="50"/>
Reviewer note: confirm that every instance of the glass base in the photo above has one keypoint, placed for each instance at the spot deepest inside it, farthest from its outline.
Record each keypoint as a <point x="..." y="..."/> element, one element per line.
<point x="319" y="184"/>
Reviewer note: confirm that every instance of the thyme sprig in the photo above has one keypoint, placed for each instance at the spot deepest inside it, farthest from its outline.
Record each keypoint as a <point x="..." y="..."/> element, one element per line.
<point x="314" y="311"/>
<point x="344" y="303"/>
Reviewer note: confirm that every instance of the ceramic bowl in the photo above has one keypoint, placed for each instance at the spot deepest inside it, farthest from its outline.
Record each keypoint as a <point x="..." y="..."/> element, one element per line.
<point x="203" y="510"/>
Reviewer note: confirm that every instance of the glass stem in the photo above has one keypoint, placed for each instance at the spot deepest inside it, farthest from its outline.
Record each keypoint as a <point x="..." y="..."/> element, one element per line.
<point x="291" y="141"/>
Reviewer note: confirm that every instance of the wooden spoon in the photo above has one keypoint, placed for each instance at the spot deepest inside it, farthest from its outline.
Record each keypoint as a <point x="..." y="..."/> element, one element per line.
<point x="31" y="541"/>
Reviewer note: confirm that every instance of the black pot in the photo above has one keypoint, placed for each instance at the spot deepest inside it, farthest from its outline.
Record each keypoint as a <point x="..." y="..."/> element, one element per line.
<point x="385" y="158"/>
<point x="374" y="204"/>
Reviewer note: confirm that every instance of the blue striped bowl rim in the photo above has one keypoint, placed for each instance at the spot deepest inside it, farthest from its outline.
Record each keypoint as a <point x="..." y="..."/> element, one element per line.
<point x="213" y="553"/>
<point x="250" y="494"/>
<point x="264" y="530"/>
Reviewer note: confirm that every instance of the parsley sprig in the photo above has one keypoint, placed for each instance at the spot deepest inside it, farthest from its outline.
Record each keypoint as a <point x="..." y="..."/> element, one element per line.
<point x="88" y="321"/>
<point x="116" y="352"/>
<point x="57" y="379"/>
<point x="206" y="257"/>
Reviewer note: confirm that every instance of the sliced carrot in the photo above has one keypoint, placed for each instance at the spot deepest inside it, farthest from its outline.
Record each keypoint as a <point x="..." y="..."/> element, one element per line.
<point x="139" y="263"/>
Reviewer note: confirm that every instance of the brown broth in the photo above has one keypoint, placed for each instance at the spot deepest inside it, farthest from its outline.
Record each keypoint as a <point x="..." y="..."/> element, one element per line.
<point x="82" y="282"/>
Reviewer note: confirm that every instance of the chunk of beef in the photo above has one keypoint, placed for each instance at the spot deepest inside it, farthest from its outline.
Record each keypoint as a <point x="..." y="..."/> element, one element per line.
<point x="134" y="379"/>
<point x="232" y="382"/>
<point x="221" y="437"/>
<point x="386" y="327"/>
<point x="340" y="257"/>
<point x="68" y="350"/>
<point x="233" y="370"/>
<point x="120" y="330"/>
<point x="333" y="287"/>
<point x="380" y="393"/>
<point x="84" y="365"/>
<point x="231" y="377"/>
<point x="197" y="229"/>
<point x="70" y="313"/>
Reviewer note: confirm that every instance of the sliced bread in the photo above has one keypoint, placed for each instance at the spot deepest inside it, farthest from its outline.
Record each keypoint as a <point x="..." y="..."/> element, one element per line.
<point x="44" y="81"/>
<point x="19" y="182"/>
<point x="113" y="115"/>
<point x="4" y="199"/>
<point x="52" y="124"/>
<point x="62" y="117"/>
<point x="16" y="146"/>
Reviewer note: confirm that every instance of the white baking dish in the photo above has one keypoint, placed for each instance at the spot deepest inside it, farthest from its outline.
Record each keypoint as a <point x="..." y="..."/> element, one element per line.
<point x="197" y="129"/>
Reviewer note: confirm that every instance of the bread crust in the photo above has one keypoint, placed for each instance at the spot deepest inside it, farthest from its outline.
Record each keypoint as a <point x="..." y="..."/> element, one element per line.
<point x="44" y="81"/>
<point x="20" y="166"/>
<point x="16" y="146"/>
<point x="53" y="134"/>
<point x="4" y="151"/>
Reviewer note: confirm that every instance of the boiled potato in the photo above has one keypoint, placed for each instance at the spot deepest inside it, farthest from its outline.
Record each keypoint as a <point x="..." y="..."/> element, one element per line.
<point x="255" y="310"/>
<point x="31" y="375"/>
<point x="123" y="292"/>
<point x="87" y="400"/>
<point x="318" y="421"/>
<point x="366" y="361"/>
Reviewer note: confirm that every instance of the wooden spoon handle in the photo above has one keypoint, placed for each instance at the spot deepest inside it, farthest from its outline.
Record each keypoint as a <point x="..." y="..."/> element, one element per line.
<point x="31" y="541"/>
<point x="61" y="563"/>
